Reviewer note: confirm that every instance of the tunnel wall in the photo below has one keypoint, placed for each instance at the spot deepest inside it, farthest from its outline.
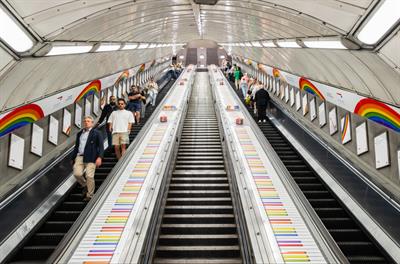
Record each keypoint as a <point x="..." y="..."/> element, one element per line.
<point x="11" y="178"/>
<point x="387" y="177"/>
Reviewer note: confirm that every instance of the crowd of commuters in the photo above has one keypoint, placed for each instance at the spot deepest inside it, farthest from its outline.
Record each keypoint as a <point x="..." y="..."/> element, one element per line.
<point x="120" y="114"/>
<point x="253" y="91"/>
<point x="175" y="70"/>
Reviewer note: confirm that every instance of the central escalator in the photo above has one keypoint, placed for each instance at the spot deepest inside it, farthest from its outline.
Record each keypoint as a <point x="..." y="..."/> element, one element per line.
<point x="40" y="245"/>
<point x="198" y="224"/>
<point x="347" y="232"/>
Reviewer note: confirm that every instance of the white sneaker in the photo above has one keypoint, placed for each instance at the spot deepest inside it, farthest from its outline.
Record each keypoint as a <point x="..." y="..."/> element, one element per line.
<point x="265" y="121"/>
<point x="259" y="121"/>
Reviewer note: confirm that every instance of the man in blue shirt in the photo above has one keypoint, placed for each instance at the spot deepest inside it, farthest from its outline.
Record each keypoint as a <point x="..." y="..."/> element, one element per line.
<point x="87" y="155"/>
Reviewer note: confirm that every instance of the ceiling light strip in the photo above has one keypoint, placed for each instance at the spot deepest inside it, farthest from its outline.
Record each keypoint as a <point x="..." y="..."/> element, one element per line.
<point x="13" y="34"/>
<point x="381" y="21"/>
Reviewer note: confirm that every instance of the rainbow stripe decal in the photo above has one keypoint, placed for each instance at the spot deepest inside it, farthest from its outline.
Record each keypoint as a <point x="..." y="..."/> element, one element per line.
<point x="20" y="117"/>
<point x="276" y="73"/>
<point x="91" y="88"/>
<point x="379" y="113"/>
<point x="295" y="242"/>
<point x="106" y="230"/>
<point x="141" y="68"/>
<point x="124" y="75"/>
<point x="345" y="127"/>
<point x="307" y="86"/>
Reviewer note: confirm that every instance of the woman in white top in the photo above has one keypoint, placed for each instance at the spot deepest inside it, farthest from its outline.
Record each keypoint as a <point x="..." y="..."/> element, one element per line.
<point x="152" y="90"/>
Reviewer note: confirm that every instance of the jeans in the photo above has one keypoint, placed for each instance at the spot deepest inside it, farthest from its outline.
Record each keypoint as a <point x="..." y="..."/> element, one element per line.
<point x="244" y="89"/>
<point x="109" y="136"/>
<point x="153" y="97"/>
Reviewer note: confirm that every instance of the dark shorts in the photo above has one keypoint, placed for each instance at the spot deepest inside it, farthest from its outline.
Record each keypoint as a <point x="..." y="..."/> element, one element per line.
<point x="135" y="106"/>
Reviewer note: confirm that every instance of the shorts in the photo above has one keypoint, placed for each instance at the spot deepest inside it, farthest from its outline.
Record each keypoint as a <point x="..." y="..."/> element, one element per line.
<point x="120" y="139"/>
<point x="135" y="107"/>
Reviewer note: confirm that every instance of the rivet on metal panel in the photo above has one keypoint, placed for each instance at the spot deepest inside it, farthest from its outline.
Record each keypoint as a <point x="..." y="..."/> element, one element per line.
<point x="251" y="207"/>
<point x="145" y="208"/>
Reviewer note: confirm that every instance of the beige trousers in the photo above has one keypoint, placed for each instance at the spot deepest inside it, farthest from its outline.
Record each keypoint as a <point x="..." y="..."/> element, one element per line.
<point x="80" y="169"/>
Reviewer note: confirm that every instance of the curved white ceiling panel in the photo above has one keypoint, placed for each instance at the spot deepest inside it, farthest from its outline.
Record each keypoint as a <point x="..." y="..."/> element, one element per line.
<point x="6" y="61"/>
<point x="32" y="79"/>
<point x="372" y="72"/>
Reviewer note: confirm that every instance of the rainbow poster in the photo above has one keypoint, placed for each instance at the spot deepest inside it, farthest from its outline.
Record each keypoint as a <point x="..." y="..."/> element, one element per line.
<point x="20" y="117"/>
<point x="141" y="68"/>
<point x="378" y="112"/>
<point x="124" y="75"/>
<point x="91" y="88"/>
<point x="307" y="86"/>
<point x="345" y="127"/>
<point x="276" y="73"/>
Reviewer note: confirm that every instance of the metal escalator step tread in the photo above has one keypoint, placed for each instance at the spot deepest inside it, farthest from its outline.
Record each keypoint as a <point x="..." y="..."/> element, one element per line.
<point x="196" y="248"/>
<point x="197" y="261"/>
<point x="365" y="259"/>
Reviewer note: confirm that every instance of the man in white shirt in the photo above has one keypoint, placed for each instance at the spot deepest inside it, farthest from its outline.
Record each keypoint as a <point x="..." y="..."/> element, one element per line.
<point x="120" y="124"/>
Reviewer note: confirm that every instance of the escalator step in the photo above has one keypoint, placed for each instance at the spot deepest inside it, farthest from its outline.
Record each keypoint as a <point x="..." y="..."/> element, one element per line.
<point x="46" y="239"/>
<point x="198" y="240"/>
<point x="56" y="226"/>
<point x="350" y="234"/>
<point x="198" y="252"/>
<point x="35" y="252"/>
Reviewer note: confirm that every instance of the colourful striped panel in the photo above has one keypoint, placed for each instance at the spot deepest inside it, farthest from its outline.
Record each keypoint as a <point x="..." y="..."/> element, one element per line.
<point x="292" y="236"/>
<point x="103" y="236"/>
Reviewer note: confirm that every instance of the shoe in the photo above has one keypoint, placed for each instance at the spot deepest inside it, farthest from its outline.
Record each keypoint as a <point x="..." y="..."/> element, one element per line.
<point x="265" y="121"/>
<point x="259" y="121"/>
<point x="87" y="199"/>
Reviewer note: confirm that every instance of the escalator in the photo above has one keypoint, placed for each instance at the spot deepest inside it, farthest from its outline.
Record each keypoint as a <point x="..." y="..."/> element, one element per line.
<point x="198" y="223"/>
<point x="352" y="239"/>
<point x="40" y="245"/>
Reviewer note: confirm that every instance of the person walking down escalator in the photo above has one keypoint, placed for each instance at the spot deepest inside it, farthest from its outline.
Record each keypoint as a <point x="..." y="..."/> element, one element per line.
<point x="120" y="123"/>
<point x="87" y="156"/>
<point x="152" y="90"/>
<point x="135" y="104"/>
<point x="244" y="82"/>
<point x="105" y="114"/>
<point x="237" y="74"/>
<point x="261" y="101"/>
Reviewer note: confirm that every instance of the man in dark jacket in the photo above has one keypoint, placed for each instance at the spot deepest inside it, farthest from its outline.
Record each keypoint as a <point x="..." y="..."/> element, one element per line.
<point x="261" y="100"/>
<point x="105" y="114"/>
<point x="87" y="155"/>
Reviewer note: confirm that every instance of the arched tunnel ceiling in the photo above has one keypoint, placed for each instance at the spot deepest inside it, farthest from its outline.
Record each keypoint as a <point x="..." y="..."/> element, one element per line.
<point x="123" y="20"/>
<point x="374" y="73"/>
